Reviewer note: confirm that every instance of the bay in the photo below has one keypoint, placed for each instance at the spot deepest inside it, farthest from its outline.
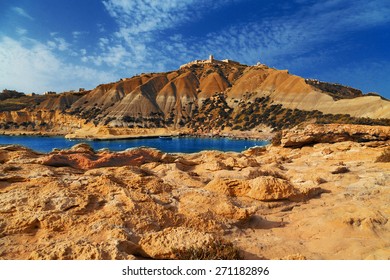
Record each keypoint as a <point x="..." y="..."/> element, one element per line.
<point x="169" y="145"/>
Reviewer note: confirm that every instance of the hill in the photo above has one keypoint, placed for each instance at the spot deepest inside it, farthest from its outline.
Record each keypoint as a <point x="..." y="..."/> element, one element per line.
<point x="204" y="96"/>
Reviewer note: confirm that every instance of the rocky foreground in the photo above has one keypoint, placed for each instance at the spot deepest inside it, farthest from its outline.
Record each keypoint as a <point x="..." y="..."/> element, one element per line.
<point x="322" y="201"/>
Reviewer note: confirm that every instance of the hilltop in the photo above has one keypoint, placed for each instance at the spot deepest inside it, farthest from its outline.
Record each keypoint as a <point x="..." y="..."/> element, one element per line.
<point x="203" y="96"/>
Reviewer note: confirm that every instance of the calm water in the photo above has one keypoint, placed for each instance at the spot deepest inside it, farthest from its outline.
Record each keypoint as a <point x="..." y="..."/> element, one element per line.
<point x="173" y="145"/>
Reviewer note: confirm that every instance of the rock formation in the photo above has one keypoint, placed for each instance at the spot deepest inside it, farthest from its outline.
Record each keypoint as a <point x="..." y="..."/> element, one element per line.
<point x="332" y="133"/>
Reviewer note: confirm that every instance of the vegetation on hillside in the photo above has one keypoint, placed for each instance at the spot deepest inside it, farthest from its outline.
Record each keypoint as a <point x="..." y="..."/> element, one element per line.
<point x="6" y="94"/>
<point x="15" y="104"/>
<point x="247" y="115"/>
<point x="337" y="91"/>
<point x="252" y="111"/>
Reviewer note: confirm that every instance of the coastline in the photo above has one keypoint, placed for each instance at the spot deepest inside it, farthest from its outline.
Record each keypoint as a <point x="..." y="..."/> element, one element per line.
<point x="146" y="134"/>
<point x="186" y="143"/>
<point x="30" y="133"/>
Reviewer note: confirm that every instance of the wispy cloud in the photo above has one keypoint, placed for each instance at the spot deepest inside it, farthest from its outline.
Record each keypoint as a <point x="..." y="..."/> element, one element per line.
<point x="59" y="43"/>
<point x="140" y="16"/>
<point x="277" y="40"/>
<point x="149" y="36"/>
<point x="281" y="38"/>
<point x="77" y="34"/>
<point x="22" y="12"/>
<point x="140" y="23"/>
<point x="35" y="67"/>
<point x="101" y="28"/>
<point x="21" y="31"/>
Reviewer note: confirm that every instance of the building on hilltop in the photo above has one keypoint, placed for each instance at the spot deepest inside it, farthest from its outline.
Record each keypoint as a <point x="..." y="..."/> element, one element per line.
<point x="229" y="61"/>
<point x="211" y="60"/>
<point x="50" y="93"/>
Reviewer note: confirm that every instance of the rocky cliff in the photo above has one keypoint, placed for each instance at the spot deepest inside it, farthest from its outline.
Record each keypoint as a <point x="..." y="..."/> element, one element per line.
<point x="333" y="133"/>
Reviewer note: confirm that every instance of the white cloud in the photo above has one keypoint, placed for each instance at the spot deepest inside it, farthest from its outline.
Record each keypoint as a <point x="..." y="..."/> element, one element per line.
<point x="62" y="44"/>
<point x="51" y="44"/>
<point x="289" y="40"/>
<point x="103" y="43"/>
<point x="59" y="43"/>
<point x="21" y="31"/>
<point x="21" y="12"/>
<point x="101" y="27"/>
<point x="138" y="16"/>
<point x="140" y="23"/>
<point x="114" y="57"/>
<point x="282" y="41"/>
<point x="77" y="34"/>
<point x="36" y="68"/>
<point x="277" y="39"/>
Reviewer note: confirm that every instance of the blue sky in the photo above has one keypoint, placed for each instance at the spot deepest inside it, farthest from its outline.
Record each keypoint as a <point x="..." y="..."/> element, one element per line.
<point x="67" y="44"/>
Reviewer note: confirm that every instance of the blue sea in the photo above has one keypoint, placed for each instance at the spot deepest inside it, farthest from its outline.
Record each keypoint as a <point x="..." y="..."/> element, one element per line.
<point x="169" y="145"/>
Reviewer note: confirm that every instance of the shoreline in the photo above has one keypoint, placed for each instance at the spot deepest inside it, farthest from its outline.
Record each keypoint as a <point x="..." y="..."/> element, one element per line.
<point x="125" y="142"/>
<point x="236" y="135"/>
<point x="30" y="133"/>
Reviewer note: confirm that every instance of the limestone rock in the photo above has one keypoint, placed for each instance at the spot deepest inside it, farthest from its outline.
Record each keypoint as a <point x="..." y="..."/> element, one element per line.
<point x="264" y="188"/>
<point x="141" y="203"/>
<point x="83" y="157"/>
<point x="160" y="245"/>
<point x="229" y="187"/>
<point x="270" y="188"/>
<point x="213" y="205"/>
<point x="333" y="133"/>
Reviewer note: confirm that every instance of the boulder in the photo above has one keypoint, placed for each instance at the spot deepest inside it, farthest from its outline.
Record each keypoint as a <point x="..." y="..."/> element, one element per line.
<point x="268" y="188"/>
<point x="264" y="188"/>
<point x="83" y="157"/>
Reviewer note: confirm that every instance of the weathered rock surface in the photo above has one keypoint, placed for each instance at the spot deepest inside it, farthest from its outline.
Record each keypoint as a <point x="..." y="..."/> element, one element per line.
<point x="273" y="202"/>
<point x="264" y="188"/>
<point x="160" y="244"/>
<point x="332" y="133"/>
<point x="79" y="157"/>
